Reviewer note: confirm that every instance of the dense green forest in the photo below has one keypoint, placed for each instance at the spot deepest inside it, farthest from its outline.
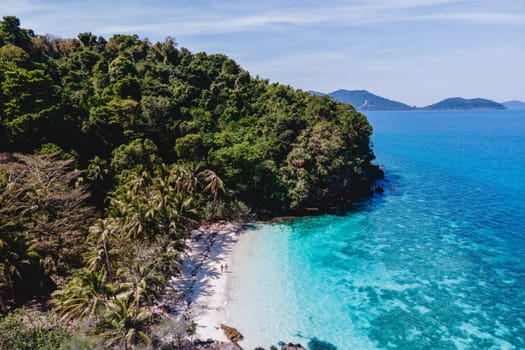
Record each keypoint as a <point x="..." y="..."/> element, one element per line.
<point x="113" y="149"/>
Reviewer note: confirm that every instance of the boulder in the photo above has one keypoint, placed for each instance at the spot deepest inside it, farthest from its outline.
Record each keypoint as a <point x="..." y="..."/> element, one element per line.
<point x="231" y="333"/>
<point x="291" y="346"/>
<point x="213" y="345"/>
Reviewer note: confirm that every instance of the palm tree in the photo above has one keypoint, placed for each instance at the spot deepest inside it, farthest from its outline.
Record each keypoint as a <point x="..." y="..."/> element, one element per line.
<point x="142" y="280"/>
<point x="214" y="185"/>
<point x="166" y="253"/>
<point x="85" y="295"/>
<point x="162" y="205"/>
<point x="15" y="253"/>
<point x="124" y="324"/>
<point x="183" y="177"/>
<point x="99" y="238"/>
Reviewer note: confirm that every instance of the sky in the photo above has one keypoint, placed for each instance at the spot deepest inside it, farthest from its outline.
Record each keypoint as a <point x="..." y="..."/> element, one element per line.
<point x="414" y="51"/>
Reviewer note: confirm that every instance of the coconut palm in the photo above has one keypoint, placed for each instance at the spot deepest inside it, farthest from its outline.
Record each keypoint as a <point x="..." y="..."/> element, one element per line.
<point x="15" y="253"/>
<point x="142" y="279"/>
<point x="99" y="238"/>
<point x="214" y="184"/>
<point x="124" y="324"/>
<point x="160" y="206"/>
<point x="86" y="295"/>
<point x="183" y="177"/>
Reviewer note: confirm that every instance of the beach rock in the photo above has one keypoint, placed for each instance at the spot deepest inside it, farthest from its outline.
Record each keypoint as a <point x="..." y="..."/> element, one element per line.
<point x="379" y="189"/>
<point x="231" y="333"/>
<point x="230" y="346"/>
<point x="291" y="346"/>
<point x="213" y="345"/>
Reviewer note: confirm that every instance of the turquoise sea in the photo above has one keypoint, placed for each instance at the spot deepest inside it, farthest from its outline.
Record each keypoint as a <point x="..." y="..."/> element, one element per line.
<point x="436" y="262"/>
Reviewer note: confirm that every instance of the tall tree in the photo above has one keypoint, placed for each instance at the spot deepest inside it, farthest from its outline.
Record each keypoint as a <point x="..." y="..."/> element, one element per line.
<point x="45" y="197"/>
<point x="214" y="184"/>
<point x="100" y="239"/>
<point x="124" y="324"/>
<point x="11" y="33"/>
<point x="15" y="255"/>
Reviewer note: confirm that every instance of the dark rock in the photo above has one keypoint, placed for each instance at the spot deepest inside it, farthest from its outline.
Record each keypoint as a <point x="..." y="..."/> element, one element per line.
<point x="316" y="344"/>
<point x="212" y="345"/>
<point x="379" y="189"/>
<point x="291" y="346"/>
<point x="374" y="172"/>
<point x="224" y="346"/>
<point x="231" y="333"/>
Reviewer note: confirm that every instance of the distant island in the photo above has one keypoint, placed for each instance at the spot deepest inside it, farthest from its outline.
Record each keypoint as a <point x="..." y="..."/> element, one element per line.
<point x="458" y="103"/>
<point x="514" y="104"/>
<point x="364" y="100"/>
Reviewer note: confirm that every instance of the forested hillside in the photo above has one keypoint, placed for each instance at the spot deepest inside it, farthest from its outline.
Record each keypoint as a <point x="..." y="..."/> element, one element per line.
<point x="113" y="148"/>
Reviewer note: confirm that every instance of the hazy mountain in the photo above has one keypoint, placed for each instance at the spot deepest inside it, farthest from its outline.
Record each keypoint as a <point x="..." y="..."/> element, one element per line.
<point x="514" y="104"/>
<point x="364" y="100"/>
<point x="458" y="103"/>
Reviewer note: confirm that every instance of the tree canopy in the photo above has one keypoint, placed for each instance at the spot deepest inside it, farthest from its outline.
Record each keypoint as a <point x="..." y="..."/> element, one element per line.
<point x="126" y="102"/>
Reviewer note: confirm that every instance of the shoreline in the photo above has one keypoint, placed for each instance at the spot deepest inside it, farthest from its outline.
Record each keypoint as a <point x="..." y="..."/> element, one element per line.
<point x="200" y="293"/>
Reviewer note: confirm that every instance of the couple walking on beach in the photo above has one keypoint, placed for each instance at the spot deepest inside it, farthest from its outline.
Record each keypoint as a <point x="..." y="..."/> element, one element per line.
<point x="224" y="267"/>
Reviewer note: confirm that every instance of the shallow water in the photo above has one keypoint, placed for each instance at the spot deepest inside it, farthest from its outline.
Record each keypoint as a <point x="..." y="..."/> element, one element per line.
<point x="436" y="262"/>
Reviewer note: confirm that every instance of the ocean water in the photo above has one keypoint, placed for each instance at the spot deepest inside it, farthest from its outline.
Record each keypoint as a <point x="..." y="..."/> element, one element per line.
<point x="436" y="262"/>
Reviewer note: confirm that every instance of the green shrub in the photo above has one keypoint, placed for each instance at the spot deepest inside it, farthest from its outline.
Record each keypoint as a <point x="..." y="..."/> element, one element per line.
<point x="30" y="330"/>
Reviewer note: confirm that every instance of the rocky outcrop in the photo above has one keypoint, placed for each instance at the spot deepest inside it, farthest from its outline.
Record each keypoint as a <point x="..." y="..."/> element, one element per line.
<point x="218" y="345"/>
<point x="374" y="172"/>
<point x="232" y="334"/>
<point x="291" y="346"/>
<point x="211" y="345"/>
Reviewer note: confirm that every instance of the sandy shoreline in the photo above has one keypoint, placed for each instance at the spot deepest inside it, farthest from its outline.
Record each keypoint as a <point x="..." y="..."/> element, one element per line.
<point x="201" y="291"/>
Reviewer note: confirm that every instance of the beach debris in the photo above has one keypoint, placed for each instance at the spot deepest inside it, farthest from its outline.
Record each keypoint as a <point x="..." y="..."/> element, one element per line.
<point x="232" y="334"/>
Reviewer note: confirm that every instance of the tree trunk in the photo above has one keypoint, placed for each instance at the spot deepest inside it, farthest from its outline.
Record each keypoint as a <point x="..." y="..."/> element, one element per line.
<point x="3" y="308"/>
<point x="10" y="283"/>
<point x="108" y="265"/>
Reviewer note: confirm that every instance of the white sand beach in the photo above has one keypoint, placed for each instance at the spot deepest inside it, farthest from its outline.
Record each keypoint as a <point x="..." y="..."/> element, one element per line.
<point x="202" y="289"/>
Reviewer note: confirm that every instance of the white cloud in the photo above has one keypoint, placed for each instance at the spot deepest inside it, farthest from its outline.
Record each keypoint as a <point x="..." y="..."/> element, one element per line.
<point x="479" y="17"/>
<point x="231" y="17"/>
<point x="21" y="7"/>
<point x="319" y="44"/>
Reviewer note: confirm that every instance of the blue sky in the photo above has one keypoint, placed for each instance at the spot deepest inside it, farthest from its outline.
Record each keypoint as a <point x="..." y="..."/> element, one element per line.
<point x="415" y="51"/>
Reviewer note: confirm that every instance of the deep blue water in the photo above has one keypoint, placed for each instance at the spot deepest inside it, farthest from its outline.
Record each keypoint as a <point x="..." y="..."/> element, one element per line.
<point x="436" y="262"/>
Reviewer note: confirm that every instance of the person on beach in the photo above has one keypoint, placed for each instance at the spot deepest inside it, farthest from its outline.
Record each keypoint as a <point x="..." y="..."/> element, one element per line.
<point x="226" y="267"/>
<point x="222" y="268"/>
